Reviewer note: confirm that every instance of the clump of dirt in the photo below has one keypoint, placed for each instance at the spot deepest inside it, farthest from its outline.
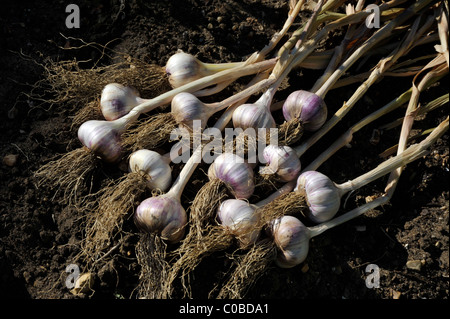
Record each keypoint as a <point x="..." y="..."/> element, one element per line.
<point x="40" y="236"/>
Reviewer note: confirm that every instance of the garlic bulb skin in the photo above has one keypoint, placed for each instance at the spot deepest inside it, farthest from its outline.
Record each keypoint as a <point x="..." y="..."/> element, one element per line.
<point x="102" y="138"/>
<point x="308" y="107"/>
<point x="117" y="100"/>
<point x="253" y="116"/>
<point x="186" y="108"/>
<point x="281" y="160"/>
<point x="322" y="195"/>
<point x="162" y="215"/>
<point x="183" y="68"/>
<point x="235" y="172"/>
<point x="239" y="217"/>
<point x="292" y="239"/>
<point x="154" y="166"/>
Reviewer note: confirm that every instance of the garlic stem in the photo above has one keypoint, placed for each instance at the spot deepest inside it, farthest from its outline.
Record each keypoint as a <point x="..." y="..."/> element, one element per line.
<point x="319" y="229"/>
<point x="412" y="153"/>
<point x="180" y="183"/>
<point x="217" y="67"/>
<point x="205" y="81"/>
<point x="286" y="188"/>
<point x="377" y="73"/>
<point x="348" y="135"/>
<point x="218" y="106"/>
<point x="381" y="34"/>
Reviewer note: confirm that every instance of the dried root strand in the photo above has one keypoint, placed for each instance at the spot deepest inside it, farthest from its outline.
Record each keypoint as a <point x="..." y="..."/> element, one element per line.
<point x="287" y="204"/>
<point x="290" y="132"/>
<point x="151" y="256"/>
<point x="249" y="268"/>
<point x="244" y="145"/>
<point x="72" y="173"/>
<point x="216" y="239"/>
<point x="91" y="111"/>
<point x="149" y="134"/>
<point x="70" y="87"/>
<point x="204" y="207"/>
<point x="105" y="223"/>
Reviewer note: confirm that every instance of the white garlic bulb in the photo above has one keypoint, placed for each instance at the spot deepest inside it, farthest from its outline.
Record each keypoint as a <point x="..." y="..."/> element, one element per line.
<point x="322" y="195"/>
<point x="240" y="218"/>
<point x="235" y="172"/>
<point x="162" y="215"/>
<point x="117" y="100"/>
<point x="154" y="165"/>
<point x="183" y="68"/>
<point x="282" y="161"/>
<point x="253" y="116"/>
<point x="291" y="237"/>
<point x="308" y="107"/>
<point x="186" y="108"/>
<point x="102" y="138"/>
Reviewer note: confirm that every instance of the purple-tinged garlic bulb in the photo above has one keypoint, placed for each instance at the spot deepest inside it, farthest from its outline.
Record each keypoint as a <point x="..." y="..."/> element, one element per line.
<point x="186" y="108"/>
<point x="102" y="138"/>
<point x="235" y="173"/>
<point x="240" y="218"/>
<point x="183" y="68"/>
<point x="322" y="195"/>
<point x="117" y="100"/>
<point x="307" y="107"/>
<point x="291" y="237"/>
<point x="282" y="161"/>
<point x="162" y="215"/>
<point x="155" y="166"/>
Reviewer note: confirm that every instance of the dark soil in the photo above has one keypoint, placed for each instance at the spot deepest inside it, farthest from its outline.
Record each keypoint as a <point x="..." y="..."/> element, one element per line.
<point x="40" y="236"/>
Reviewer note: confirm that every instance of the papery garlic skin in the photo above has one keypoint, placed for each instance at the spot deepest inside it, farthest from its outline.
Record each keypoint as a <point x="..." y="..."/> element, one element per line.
<point x="102" y="138"/>
<point x="117" y="100"/>
<point x="253" y="116"/>
<point x="235" y="172"/>
<point x="283" y="161"/>
<point x="186" y="108"/>
<point x="154" y="165"/>
<point x="183" y="68"/>
<point x="291" y="237"/>
<point x="308" y="107"/>
<point x="239" y="218"/>
<point x="162" y="215"/>
<point x="322" y="195"/>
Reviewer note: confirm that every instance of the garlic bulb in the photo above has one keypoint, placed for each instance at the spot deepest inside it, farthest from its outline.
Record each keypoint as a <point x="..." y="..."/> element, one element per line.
<point x="102" y="138"/>
<point x="292" y="240"/>
<point x="281" y="160"/>
<point x="235" y="172"/>
<point x="154" y="165"/>
<point x="162" y="215"/>
<point x="117" y="100"/>
<point x="308" y="107"/>
<point x="183" y="68"/>
<point x="322" y="195"/>
<point x="239" y="218"/>
<point x="186" y="108"/>
<point x="256" y="115"/>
